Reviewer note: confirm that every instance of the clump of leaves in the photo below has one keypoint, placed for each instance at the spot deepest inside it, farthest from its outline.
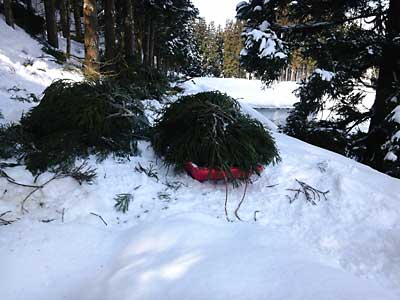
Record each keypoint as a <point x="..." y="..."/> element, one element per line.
<point x="210" y="130"/>
<point x="75" y="120"/>
<point x="122" y="202"/>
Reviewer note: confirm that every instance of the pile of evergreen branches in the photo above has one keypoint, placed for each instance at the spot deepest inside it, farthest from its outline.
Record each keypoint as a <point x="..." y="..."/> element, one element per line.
<point x="209" y="130"/>
<point x="74" y="120"/>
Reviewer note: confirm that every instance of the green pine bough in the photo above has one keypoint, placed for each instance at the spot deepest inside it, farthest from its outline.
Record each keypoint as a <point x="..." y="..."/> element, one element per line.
<point x="75" y="120"/>
<point x="209" y="129"/>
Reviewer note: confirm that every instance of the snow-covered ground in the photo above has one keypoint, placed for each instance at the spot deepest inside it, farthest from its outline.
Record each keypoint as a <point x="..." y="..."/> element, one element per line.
<point x="175" y="243"/>
<point x="26" y="69"/>
<point x="251" y="92"/>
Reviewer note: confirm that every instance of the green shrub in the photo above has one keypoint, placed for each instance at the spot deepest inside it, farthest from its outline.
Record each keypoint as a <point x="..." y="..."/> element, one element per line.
<point x="76" y="119"/>
<point x="209" y="130"/>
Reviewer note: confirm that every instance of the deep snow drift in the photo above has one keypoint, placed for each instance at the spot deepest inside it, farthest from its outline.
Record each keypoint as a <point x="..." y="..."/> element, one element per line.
<point x="174" y="242"/>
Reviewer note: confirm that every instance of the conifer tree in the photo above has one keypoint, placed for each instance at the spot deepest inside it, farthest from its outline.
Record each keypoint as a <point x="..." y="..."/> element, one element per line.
<point x="345" y="40"/>
<point x="109" y="30"/>
<point x="232" y="47"/>
<point x="8" y="13"/>
<point x="129" y="33"/>
<point x="77" y="9"/>
<point x="64" y="15"/>
<point x="51" y="23"/>
<point x="91" y="64"/>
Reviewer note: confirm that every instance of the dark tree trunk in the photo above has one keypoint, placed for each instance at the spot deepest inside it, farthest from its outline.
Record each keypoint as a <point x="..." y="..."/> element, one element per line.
<point x="68" y="31"/>
<point x="119" y="24"/>
<point x="91" y="65"/>
<point x="64" y="14"/>
<point x="129" y="31"/>
<point x="51" y="24"/>
<point x="147" y="34"/>
<point x="29" y="4"/>
<point x="77" y="8"/>
<point x="109" y="32"/>
<point x="389" y="74"/>
<point x="8" y="13"/>
<point x="152" y="42"/>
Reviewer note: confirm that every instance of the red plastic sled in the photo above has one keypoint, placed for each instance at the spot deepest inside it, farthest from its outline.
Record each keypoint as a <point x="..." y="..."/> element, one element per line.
<point x="202" y="174"/>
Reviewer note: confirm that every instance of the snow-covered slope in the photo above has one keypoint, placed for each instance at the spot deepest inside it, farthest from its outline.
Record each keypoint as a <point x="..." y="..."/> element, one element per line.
<point x="26" y="69"/>
<point x="251" y="92"/>
<point x="174" y="242"/>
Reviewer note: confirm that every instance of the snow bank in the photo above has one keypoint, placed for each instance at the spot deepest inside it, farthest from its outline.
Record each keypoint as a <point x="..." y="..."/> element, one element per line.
<point x="166" y="260"/>
<point x="251" y="92"/>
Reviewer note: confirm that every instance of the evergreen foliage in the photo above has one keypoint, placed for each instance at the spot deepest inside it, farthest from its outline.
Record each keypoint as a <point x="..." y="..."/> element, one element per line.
<point x="209" y="130"/>
<point x="345" y="40"/>
<point x="232" y="47"/>
<point x="122" y="202"/>
<point x="210" y="42"/>
<point x="76" y="119"/>
<point x="142" y="82"/>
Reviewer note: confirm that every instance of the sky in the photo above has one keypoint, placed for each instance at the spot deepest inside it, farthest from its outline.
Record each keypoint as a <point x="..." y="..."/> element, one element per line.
<point x="217" y="10"/>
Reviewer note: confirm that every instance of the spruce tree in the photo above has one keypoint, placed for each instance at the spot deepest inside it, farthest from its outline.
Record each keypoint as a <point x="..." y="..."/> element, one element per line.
<point x="51" y="23"/>
<point x="232" y="46"/>
<point x="64" y="15"/>
<point x="129" y="33"/>
<point x="346" y="40"/>
<point x="77" y="9"/>
<point x="91" y="64"/>
<point x="109" y="31"/>
<point x="8" y="13"/>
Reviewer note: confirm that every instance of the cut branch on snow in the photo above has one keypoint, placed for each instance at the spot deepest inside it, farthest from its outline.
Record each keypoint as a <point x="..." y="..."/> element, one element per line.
<point x="310" y="193"/>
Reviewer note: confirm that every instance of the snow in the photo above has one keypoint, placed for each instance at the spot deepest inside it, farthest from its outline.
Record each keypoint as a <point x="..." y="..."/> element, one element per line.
<point x="25" y="69"/>
<point x="396" y="114"/>
<point x="391" y="156"/>
<point x="251" y="92"/>
<point x="169" y="262"/>
<point x="264" y="25"/>
<point x="396" y="136"/>
<point x="324" y="74"/>
<point x="174" y="242"/>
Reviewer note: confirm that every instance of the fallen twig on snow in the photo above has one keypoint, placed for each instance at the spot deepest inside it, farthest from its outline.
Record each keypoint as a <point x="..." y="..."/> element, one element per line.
<point x="311" y="194"/>
<point x="100" y="217"/>
<point x="255" y="215"/>
<point x="82" y="173"/>
<point x="4" y="222"/>
<point x="241" y="201"/>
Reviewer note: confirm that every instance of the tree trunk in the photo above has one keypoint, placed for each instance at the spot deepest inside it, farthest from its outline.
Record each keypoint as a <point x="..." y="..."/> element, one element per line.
<point x="129" y="31"/>
<point x="77" y="18"/>
<point x="64" y="14"/>
<point x="29" y="5"/>
<point x="119" y="25"/>
<point x="8" y="13"/>
<point x="91" y="64"/>
<point x="389" y="74"/>
<point x="51" y="24"/>
<point x="152" y="42"/>
<point x="147" y="42"/>
<point x="109" y="31"/>
<point x="68" y="32"/>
